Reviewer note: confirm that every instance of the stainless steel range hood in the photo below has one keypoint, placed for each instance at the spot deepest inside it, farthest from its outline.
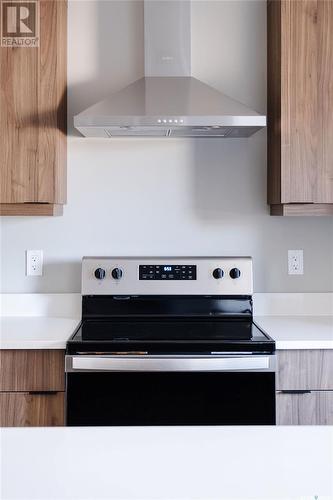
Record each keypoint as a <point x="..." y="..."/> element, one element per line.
<point x="168" y="101"/>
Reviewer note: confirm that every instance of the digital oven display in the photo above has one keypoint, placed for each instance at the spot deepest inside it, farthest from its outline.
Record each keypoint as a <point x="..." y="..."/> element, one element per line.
<point x="167" y="272"/>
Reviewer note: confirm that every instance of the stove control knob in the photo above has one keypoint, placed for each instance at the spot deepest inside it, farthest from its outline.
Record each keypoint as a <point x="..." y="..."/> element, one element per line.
<point x="235" y="273"/>
<point x="116" y="273"/>
<point x="99" y="273"/>
<point x="218" y="273"/>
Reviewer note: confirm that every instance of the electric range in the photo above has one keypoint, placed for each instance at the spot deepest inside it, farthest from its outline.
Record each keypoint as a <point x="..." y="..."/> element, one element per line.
<point x="169" y="341"/>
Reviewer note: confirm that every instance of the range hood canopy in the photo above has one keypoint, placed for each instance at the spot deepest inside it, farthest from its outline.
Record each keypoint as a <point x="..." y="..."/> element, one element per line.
<point x="168" y="102"/>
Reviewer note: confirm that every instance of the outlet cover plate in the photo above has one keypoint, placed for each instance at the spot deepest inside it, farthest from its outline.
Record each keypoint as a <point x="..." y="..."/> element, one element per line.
<point x="34" y="262"/>
<point x="295" y="262"/>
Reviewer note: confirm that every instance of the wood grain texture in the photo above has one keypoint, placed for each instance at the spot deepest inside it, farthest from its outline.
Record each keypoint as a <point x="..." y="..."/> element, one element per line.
<point x="19" y="130"/>
<point x="305" y="369"/>
<point x="274" y="101"/>
<point x="33" y="113"/>
<point x="19" y="409"/>
<point x="51" y="103"/>
<point x="324" y="180"/>
<point x="300" y="131"/>
<point x="307" y="209"/>
<point x="29" y="209"/>
<point x="32" y="370"/>
<point x="314" y="408"/>
<point x="300" y="100"/>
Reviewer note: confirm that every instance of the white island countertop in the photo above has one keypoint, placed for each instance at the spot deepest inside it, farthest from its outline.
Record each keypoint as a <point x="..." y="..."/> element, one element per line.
<point x="35" y="332"/>
<point x="167" y="463"/>
<point x="298" y="332"/>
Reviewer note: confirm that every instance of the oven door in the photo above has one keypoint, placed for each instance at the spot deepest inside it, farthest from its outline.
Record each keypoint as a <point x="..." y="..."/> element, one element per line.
<point x="170" y="390"/>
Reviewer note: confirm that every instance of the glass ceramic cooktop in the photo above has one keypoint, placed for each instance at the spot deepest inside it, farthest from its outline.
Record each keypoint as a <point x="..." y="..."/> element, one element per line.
<point x="170" y="330"/>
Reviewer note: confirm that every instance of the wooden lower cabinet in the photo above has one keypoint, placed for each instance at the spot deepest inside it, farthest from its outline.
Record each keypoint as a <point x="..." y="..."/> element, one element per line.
<point x="304" y="387"/>
<point x="32" y="370"/>
<point x="32" y="387"/>
<point x="305" y="369"/>
<point x="308" y="408"/>
<point x="24" y="409"/>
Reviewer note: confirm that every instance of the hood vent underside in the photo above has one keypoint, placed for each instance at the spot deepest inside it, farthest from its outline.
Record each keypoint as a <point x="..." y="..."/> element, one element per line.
<point x="179" y="132"/>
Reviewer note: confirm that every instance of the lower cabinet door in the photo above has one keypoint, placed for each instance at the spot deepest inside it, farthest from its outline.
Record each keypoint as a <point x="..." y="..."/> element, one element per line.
<point x="24" y="409"/>
<point x="304" y="408"/>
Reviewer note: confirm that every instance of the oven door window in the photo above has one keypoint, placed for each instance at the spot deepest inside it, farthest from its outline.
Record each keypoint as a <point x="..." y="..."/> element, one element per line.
<point x="171" y="398"/>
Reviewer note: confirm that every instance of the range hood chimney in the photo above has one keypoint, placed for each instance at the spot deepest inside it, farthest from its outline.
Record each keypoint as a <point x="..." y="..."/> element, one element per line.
<point x="168" y="101"/>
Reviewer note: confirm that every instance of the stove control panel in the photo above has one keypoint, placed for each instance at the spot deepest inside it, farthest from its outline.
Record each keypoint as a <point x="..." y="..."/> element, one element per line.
<point x="167" y="276"/>
<point x="167" y="272"/>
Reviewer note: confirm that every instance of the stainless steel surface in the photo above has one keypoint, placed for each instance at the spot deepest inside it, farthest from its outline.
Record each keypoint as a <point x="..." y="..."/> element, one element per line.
<point x="170" y="363"/>
<point x="129" y="284"/>
<point x="168" y="102"/>
<point x="167" y="38"/>
<point x="169" y="106"/>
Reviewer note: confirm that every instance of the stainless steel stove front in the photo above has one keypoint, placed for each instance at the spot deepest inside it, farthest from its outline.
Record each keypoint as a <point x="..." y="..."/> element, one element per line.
<point x="169" y="341"/>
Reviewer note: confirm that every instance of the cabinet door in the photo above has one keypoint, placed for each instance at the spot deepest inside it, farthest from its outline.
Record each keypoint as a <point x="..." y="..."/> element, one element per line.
<point x="324" y="177"/>
<point x="300" y="101"/>
<point x="32" y="370"/>
<point x="19" y="138"/>
<point x="305" y="369"/>
<point x="23" y="409"/>
<point x="308" y="408"/>
<point x="299" y="106"/>
<point x="33" y="117"/>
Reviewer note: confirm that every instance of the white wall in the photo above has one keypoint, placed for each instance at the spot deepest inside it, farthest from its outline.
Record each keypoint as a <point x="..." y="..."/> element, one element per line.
<point x="167" y="197"/>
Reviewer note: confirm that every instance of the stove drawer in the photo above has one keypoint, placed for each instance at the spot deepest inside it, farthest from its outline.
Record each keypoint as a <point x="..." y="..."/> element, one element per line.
<point x="170" y="398"/>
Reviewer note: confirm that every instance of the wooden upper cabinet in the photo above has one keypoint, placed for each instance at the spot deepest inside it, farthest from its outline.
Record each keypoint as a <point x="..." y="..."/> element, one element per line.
<point x="33" y="112"/>
<point x="300" y="107"/>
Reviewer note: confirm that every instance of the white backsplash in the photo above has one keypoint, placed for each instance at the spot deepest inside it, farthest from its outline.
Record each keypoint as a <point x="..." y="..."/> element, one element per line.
<point x="166" y="197"/>
<point x="68" y="305"/>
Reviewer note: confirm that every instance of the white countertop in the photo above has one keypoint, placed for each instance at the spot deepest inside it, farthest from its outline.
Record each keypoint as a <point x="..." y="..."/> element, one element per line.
<point x="40" y="332"/>
<point x="46" y="321"/>
<point x="35" y="332"/>
<point x="298" y="332"/>
<point x="167" y="463"/>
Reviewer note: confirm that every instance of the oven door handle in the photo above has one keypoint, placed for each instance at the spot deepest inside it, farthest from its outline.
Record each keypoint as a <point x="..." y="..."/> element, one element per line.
<point x="147" y="363"/>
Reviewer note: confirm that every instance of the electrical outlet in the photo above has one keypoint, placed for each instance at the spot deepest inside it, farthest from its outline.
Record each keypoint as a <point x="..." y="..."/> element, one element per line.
<point x="295" y="262"/>
<point x="34" y="263"/>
